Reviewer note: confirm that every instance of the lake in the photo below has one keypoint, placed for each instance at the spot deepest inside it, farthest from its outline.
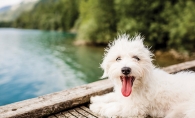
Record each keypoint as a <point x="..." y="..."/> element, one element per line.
<point x="35" y="63"/>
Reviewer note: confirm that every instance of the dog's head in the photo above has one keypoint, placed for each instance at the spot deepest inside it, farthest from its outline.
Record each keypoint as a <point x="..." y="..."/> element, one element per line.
<point x="127" y="62"/>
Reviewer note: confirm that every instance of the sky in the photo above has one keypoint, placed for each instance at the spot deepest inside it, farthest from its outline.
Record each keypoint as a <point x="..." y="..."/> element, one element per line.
<point x="11" y="2"/>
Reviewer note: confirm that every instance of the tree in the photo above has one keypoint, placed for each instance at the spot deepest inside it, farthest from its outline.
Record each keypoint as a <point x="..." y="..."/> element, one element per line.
<point x="180" y="24"/>
<point x="97" y="22"/>
<point x="50" y="15"/>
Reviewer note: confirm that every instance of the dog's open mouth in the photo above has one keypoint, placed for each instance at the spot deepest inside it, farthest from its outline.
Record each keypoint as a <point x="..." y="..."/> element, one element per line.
<point x="127" y="83"/>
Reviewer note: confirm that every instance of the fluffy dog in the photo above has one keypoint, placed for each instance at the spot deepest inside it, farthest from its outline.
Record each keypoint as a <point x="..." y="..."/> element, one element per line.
<point x="141" y="89"/>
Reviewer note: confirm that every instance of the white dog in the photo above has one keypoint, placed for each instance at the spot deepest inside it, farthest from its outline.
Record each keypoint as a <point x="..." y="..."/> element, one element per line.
<point x="140" y="89"/>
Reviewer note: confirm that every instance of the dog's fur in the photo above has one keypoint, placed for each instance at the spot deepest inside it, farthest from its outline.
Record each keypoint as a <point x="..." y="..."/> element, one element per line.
<point x="154" y="91"/>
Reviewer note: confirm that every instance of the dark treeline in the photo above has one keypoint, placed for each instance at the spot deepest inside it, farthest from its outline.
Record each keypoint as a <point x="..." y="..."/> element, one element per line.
<point x="5" y="24"/>
<point x="164" y="23"/>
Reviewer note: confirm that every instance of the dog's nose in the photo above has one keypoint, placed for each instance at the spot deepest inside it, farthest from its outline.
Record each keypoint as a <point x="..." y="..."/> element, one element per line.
<point x="126" y="70"/>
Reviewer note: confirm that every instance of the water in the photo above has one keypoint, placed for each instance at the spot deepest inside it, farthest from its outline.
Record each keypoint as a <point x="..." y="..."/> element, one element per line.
<point x="35" y="63"/>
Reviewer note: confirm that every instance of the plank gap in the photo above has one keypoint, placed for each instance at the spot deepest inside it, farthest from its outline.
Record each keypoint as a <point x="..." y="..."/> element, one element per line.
<point x="67" y="114"/>
<point x="89" y="111"/>
<point x="85" y="113"/>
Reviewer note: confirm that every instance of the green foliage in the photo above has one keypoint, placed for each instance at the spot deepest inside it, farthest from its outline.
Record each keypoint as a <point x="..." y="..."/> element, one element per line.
<point x="97" y="21"/>
<point x="50" y="15"/>
<point x="5" y="24"/>
<point x="165" y="24"/>
<point x="144" y="17"/>
<point x="180" y="25"/>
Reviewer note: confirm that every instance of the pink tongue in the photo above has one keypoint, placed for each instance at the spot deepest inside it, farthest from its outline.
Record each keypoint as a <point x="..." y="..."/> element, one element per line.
<point x="126" y="86"/>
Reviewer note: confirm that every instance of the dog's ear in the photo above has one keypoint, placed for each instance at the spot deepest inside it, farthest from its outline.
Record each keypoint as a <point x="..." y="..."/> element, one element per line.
<point x="104" y="67"/>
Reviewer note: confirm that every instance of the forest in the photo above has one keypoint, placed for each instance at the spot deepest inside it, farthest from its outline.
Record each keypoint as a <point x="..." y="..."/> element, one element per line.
<point x="165" y="24"/>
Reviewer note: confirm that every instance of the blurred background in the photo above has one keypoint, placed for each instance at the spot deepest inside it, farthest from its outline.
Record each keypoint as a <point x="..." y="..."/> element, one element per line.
<point x="52" y="45"/>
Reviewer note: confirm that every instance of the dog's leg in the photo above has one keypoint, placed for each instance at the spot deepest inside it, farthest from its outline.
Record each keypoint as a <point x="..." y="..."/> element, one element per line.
<point x="110" y="105"/>
<point x="104" y="105"/>
<point x="110" y="109"/>
<point x="115" y="109"/>
<point x="110" y="97"/>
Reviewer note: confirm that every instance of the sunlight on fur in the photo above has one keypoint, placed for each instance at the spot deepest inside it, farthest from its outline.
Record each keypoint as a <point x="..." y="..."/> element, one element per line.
<point x="141" y="89"/>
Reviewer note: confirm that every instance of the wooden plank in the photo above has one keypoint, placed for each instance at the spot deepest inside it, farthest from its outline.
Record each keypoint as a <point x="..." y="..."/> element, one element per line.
<point x="63" y="100"/>
<point x="52" y="116"/>
<point x="179" y="67"/>
<point x="60" y="115"/>
<point x="85" y="113"/>
<point x="80" y="112"/>
<point x="68" y="114"/>
<point x="77" y="114"/>
<point x="89" y="111"/>
<point x="55" y="102"/>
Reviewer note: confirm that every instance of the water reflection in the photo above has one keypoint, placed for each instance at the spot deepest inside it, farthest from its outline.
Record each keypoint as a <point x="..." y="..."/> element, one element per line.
<point x="34" y="63"/>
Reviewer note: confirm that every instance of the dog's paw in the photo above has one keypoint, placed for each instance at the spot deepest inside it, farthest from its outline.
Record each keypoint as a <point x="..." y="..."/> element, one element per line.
<point x="95" y="99"/>
<point x="113" y="110"/>
<point x="96" y="108"/>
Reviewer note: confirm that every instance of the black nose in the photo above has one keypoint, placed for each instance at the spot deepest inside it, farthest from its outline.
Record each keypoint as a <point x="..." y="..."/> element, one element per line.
<point x="126" y="70"/>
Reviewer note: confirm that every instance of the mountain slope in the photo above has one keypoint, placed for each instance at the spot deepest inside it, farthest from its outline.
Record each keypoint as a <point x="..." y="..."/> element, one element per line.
<point x="10" y="13"/>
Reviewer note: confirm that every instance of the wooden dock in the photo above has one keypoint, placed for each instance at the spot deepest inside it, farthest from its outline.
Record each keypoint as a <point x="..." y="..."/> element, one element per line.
<point x="72" y="103"/>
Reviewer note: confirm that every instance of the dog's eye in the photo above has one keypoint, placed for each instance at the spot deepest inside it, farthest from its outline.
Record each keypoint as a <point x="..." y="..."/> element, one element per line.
<point x="118" y="58"/>
<point x="137" y="58"/>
